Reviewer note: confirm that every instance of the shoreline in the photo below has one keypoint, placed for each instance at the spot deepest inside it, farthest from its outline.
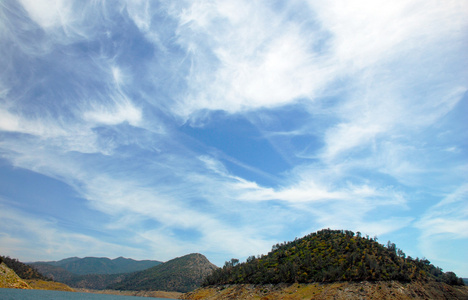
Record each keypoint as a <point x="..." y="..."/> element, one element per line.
<point x="154" y="294"/>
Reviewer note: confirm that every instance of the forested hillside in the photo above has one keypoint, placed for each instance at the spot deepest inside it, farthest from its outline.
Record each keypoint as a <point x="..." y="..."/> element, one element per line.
<point x="100" y="265"/>
<point x="22" y="270"/>
<point x="181" y="274"/>
<point x="330" y="256"/>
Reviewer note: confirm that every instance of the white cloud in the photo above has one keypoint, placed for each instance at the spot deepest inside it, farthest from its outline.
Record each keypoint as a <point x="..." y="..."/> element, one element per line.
<point x="113" y="115"/>
<point x="380" y="73"/>
<point x="49" y="13"/>
<point x="366" y="32"/>
<point x="448" y="217"/>
<point x="257" y="58"/>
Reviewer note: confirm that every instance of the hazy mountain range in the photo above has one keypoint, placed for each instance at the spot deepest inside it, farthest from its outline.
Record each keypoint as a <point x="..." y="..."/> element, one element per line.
<point x="181" y="274"/>
<point x="99" y="265"/>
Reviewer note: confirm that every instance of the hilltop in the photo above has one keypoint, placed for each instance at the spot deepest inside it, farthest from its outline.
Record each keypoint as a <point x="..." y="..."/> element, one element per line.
<point x="328" y="264"/>
<point x="92" y="272"/>
<point x="330" y="256"/>
<point x="181" y="274"/>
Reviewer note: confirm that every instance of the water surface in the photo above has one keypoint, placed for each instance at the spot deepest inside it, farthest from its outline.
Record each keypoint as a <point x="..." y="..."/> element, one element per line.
<point x="18" y="294"/>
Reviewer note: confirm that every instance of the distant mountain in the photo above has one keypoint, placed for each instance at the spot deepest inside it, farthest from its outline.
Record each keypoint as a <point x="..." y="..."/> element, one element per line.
<point x="88" y="281"/>
<point x="100" y="265"/>
<point x="181" y="274"/>
<point x="53" y="272"/>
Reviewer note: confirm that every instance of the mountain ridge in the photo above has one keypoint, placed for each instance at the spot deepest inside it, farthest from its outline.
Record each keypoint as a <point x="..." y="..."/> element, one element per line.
<point x="100" y="265"/>
<point x="180" y="274"/>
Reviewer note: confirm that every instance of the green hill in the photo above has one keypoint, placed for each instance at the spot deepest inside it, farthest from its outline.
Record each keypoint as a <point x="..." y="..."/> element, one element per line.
<point x="100" y="265"/>
<point x="330" y="256"/>
<point x="181" y="274"/>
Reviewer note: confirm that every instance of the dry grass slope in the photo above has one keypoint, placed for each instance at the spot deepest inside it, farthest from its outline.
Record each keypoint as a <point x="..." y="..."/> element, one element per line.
<point x="48" y="285"/>
<point x="392" y="290"/>
<point x="9" y="279"/>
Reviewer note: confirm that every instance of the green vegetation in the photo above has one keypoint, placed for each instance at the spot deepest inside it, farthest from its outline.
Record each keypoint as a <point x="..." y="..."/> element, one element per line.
<point x="24" y="271"/>
<point x="330" y="256"/>
<point x="101" y="265"/>
<point x="88" y="281"/>
<point x="181" y="274"/>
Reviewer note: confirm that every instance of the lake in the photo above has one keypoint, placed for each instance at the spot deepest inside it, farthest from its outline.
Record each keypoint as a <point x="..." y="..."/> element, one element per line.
<point x="18" y="294"/>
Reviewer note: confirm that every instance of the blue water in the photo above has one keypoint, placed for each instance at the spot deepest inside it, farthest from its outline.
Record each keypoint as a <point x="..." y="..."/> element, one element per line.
<point x="14" y="294"/>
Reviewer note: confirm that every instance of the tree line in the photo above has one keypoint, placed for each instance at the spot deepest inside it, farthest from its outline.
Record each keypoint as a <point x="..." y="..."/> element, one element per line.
<point x="22" y="270"/>
<point x="329" y="256"/>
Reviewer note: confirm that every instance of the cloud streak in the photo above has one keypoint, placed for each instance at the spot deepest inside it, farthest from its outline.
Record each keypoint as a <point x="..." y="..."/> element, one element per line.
<point x="223" y="128"/>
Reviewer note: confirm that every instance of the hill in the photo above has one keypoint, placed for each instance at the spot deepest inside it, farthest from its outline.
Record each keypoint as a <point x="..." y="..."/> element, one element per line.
<point x="100" y="265"/>
<point x="24" y="271"/>
<point x="9" y="279"/>
<point x="330" y="256"/>
<point x="181" y="274"/>
<point x="15" y="274"/>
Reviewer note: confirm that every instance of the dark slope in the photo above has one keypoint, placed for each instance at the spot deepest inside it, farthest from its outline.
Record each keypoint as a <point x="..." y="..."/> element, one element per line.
<point x="101" y="265"/>
<point x="24" y="271"/>
<point x="330" y="256"/>
<point x="89" y="281"/>
<point x="181" y="274"/>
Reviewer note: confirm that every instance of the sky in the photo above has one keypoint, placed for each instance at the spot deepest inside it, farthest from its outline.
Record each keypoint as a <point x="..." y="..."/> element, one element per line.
<point x="155" y="129"/>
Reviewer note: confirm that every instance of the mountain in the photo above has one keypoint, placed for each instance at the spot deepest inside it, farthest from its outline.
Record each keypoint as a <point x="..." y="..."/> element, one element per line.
<point x="87" y="281"/>
<point x="92" y="272"/>
<point x="100" y="265"/>
<point x="181" y="274"/>
<point x="53" y="272"/>
<point x="330" y="256"/>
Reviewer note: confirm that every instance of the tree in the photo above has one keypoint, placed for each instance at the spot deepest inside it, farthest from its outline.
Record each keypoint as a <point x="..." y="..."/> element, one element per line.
<point x="232" y="263"/>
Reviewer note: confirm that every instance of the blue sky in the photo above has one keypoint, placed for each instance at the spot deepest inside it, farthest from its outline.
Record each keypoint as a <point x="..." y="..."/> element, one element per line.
<point x="154" y="129"/>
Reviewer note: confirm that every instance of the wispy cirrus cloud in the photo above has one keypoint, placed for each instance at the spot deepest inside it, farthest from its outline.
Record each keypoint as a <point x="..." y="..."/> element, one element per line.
<point x="226" y="127"/>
